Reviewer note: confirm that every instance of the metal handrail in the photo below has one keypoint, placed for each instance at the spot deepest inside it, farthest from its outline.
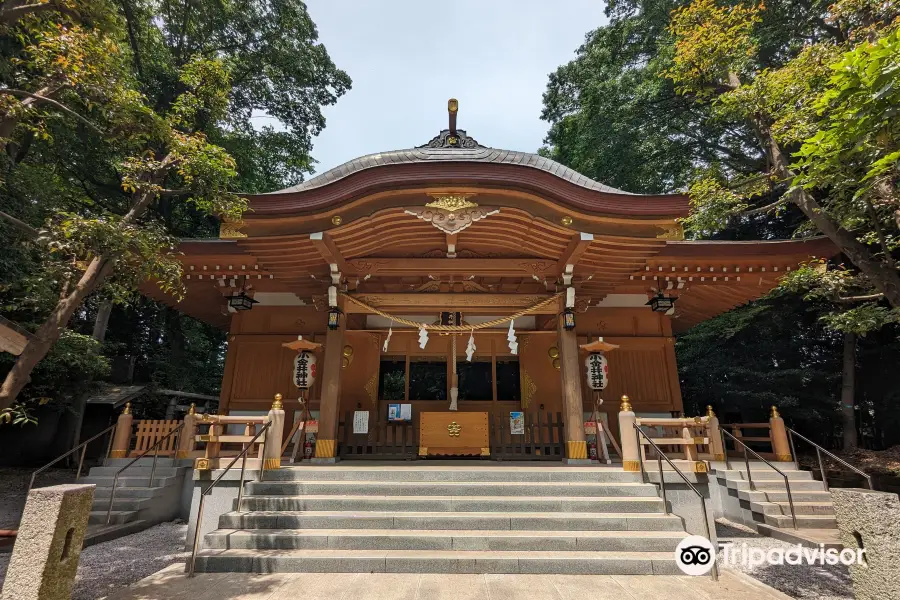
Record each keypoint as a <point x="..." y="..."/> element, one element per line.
<point x="787" y="484"/>
<point x="660" y="455"/>
<point x="83" y="446"/>
<point x="819" y="451"/>
<point x="155" y="448"/>
<point x="206" y="492"/>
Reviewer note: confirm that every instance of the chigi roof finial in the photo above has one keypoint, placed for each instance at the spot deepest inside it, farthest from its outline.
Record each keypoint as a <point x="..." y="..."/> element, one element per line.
<point x="452" y="108"/>
<point x="452" y="137"/>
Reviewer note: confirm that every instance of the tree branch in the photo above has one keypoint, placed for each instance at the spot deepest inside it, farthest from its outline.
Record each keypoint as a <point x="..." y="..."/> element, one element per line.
<point x="59" y="105"/>
<point x="11" y="15"/>
<point x="20" y="225"/>
<point x="852" y="299"/>
<point x="764" y="209"/>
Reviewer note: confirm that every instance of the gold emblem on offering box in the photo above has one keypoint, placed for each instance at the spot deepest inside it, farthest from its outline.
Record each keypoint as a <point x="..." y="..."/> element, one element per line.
<point x="453" y="429"/>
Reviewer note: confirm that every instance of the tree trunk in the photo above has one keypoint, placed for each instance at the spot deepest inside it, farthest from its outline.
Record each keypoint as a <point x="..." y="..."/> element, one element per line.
<point x="848" y="391"/>
<point x="38" y="347"/>
<point x="102" y="320"/>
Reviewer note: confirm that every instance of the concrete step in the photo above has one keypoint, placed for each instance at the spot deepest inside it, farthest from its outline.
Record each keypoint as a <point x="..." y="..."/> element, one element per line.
<point x="131" y="481"/>
<point x="446" y="488"/>
<point x="453" y="503"/>
<point x="479" y="540"/>
<point x="121" y="503"/>
<point x="117" y="517"/>
<point x="531" y="521"/>
<point x="803" y="521"/>
<point x="781" y="496"/>
<point x="468" y="474"/>
<point x="129" y="492"/>
<point x="800" y="508"/>
<point x="767" y="474"/>
<point x="436" y="561"/>
<point x="777" y="485"/>
<point x="137" y="471"/>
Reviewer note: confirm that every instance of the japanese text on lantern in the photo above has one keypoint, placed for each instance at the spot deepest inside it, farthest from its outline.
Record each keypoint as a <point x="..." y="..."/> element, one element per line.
<point x="304" y="370"/>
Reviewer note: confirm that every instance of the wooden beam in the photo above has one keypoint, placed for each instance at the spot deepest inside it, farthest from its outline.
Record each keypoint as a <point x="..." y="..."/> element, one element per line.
<point x="329" y="251"/>
<point x="466" y="267"/>
<point x="577" y="246"/>
<point x="432" y="303"/>
<point x="451" y="244"/>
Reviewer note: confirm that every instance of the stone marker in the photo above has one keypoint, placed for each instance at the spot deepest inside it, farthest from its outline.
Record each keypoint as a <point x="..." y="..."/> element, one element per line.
<point x="48" y="545"/>
<point x="871" y="520"/>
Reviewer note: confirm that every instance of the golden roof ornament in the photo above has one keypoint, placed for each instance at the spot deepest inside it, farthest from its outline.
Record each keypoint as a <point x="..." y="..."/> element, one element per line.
<point x="451" y="202"/>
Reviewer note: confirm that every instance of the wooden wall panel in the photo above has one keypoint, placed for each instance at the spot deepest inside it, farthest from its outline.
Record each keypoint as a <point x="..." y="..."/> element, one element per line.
<point x="359" y="380"/>
<point x="536" y="366"/>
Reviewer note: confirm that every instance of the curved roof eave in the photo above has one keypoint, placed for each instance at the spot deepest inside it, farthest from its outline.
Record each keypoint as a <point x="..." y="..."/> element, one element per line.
<point x="462" y="166"/>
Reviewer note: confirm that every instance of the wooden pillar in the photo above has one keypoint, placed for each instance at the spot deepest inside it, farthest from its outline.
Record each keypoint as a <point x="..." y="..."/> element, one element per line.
<point x="780" y="444"/>
<point x="330" y="403"/>
<point x="570" y="373"/>
<point x="631" y="453"/>
<point x="122" y="439"/>
<point x="715" y="435"/>
<point x="187" y="440"/>
<point x="274" y="436"/>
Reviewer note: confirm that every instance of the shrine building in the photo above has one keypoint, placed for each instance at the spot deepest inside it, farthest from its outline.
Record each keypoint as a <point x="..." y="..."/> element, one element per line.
<point x="456" y="273"/>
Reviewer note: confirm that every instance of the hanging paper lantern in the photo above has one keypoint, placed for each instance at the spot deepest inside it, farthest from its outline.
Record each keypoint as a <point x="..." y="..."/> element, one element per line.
<point x="305" y="370"/>
<point x="597" y="371"/>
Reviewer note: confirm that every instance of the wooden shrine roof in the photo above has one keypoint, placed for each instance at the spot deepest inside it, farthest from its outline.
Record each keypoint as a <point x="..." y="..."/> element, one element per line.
<point x="478" y="229"/>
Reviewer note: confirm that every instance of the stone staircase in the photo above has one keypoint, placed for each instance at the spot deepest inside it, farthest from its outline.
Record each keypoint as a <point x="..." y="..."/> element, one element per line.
<point x="478" y="519"/>
<point x="768" y="502"/>
<point x="139" y="503"/>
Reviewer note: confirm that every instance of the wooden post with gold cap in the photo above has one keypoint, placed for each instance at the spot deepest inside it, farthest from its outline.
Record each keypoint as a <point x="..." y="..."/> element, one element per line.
<point x="187" y="441"/>
<point x="272" y="450"/>
<point x="714" y="434"/>
<point x="570" y="374"/>
<point x="780" y="444"/>
<point x="631" y="454"/>
<point x="122" y="440"/>
<point x="330" y="399"/>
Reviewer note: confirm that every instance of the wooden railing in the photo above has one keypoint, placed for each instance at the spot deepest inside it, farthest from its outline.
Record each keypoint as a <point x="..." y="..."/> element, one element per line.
<point x="543" y="438"/>
<point x="383" y="440"/>
<point x="148" y="432"/>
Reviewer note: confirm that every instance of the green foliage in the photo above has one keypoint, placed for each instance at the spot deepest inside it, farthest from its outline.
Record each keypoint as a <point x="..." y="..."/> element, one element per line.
<point x="712" y="43"/>
<point x="856" y="150"/>
<point x="70" y="369"/>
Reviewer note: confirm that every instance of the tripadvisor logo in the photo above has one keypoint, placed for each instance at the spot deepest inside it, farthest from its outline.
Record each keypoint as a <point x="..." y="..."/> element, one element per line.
<point x="695" y="555"/>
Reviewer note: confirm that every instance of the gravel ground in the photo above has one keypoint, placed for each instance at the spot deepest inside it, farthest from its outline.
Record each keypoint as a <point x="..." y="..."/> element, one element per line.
<point x="107" y="567"/>
<point x="805" y="582"/>
<point x="15" y="484"/>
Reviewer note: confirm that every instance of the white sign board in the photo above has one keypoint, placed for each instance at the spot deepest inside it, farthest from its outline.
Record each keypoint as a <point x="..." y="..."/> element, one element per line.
<point x="597" y="371"/>
<point x="361" y="421"/>
<point x="406" y="412"/>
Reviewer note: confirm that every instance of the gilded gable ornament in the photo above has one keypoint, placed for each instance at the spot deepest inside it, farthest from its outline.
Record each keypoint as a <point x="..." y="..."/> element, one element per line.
<point x="229" y="230"/>
<point x="451" y="213"/>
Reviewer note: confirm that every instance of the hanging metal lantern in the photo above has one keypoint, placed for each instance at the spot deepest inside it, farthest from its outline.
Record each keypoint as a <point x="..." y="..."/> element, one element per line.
<point x="305" y="370"/>
<point x="241" y="301"/>
<point x="334" y="318"/>
<point x="661" y="303"/>
<point x="597" y="371"/>
<point x="569" y="319"/>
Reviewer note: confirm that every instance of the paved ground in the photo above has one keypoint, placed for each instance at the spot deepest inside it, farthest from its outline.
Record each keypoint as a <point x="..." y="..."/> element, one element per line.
<point x="173" y="584"/>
